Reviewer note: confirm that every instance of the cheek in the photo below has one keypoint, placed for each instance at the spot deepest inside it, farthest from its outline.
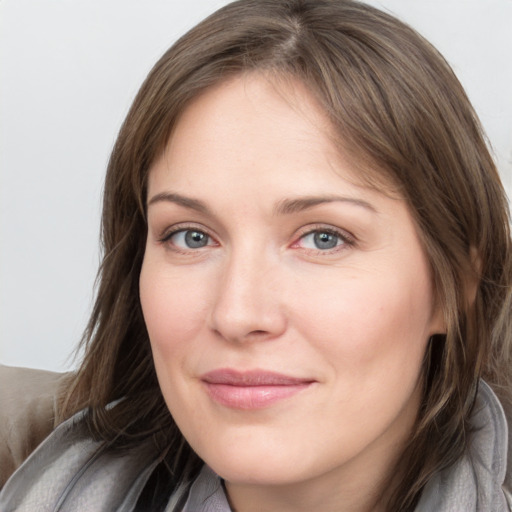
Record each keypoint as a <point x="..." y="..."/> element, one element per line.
<point x="174" y="307"/>
<point x="370" y="324"/>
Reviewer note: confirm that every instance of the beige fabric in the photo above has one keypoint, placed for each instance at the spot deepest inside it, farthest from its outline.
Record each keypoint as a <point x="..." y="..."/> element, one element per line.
<point x="27" y="413"/>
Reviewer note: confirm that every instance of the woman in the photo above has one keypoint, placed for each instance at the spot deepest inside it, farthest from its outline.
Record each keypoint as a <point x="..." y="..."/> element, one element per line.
<point x="306" y="278"/>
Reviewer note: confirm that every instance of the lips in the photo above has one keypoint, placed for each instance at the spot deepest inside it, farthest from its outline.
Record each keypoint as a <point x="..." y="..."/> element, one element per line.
<point x="255" y="389"/>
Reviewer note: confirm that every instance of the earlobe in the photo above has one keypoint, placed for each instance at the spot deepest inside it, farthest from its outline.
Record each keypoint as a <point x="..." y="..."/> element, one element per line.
<point x="471" y="282"/>
<point x="438" y="319"/>
<point x="438" y="323"/>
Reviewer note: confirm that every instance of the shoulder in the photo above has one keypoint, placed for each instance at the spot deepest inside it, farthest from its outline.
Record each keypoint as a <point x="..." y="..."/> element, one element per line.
<point x="72" y="470"/>
<point x="28" y="400"/>
<point x="480" y="479"/>
<point x="490" y="448"/>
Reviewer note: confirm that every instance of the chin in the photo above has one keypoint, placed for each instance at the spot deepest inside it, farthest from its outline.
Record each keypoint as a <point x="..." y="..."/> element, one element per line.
<point x="266" y="462"/>
<point x="262" y="472"/>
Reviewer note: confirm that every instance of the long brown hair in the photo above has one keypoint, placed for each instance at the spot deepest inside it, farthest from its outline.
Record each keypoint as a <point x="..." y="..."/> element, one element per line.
<point x="401" y="113"/>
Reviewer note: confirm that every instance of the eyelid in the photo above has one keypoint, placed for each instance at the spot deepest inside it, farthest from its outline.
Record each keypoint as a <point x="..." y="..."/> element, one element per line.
<point x="170" y="231"/>
<point x="346" y="237"/>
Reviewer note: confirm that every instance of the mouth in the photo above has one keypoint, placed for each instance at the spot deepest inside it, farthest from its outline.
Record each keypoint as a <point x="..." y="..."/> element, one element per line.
<point x="255" y="389"/>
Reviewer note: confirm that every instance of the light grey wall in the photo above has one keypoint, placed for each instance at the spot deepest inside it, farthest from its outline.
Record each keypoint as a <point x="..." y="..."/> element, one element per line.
<point x="68" y="72"/>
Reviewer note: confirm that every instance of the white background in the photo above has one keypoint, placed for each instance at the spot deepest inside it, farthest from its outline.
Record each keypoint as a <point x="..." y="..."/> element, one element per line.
<point x="68" y="72"/>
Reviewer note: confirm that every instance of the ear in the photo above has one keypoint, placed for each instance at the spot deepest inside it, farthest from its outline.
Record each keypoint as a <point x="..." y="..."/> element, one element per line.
<point x="471" y="282"/>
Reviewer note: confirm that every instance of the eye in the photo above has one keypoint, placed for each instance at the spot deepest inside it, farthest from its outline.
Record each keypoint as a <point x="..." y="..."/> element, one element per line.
<point x="323" y="240"/>
<point x="189" y="239"/>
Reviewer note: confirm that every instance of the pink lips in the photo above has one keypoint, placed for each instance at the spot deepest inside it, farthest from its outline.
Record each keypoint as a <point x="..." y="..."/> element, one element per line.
<point x="253" y="389"/>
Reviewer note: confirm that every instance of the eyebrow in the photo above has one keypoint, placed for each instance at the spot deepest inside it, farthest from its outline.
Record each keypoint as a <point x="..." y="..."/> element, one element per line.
<point x="289" y="206"/>
<point x="283" y="207"/>
<point x="186" y="202"/>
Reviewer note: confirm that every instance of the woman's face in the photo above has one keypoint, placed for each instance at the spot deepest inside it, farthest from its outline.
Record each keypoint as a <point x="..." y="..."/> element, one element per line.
<point x="288" y="305"/>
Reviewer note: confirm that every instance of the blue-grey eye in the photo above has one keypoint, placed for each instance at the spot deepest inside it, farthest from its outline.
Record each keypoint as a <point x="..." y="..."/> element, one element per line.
<point x="321" y="240"/>
<point x="195" y="239"/>
<point x="190" y="239"/>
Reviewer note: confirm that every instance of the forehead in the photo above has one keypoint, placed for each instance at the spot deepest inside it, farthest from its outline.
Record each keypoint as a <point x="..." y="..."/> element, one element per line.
<point x="257" y="121"/>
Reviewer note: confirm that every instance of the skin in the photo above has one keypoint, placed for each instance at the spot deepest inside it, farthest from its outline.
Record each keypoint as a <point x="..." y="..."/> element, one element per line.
<point x="354" y="319"/>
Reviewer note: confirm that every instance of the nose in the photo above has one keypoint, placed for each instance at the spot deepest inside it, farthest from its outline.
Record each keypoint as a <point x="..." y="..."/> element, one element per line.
<point x="248" y="304"/>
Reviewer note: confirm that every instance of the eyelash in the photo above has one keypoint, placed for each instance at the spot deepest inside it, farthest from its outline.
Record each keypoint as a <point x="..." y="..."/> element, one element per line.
<point x="165" y="238"/>
<point x="346" y="240"/>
